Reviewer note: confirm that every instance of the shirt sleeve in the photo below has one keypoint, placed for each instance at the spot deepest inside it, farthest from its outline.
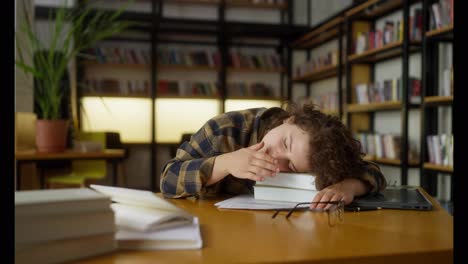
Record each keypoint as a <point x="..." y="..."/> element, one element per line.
<point x="187" y="173"/>
<point x="373" y="178"/>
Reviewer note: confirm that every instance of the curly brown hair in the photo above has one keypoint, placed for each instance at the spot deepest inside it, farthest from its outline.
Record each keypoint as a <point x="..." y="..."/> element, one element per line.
<point x="334" y="153"/>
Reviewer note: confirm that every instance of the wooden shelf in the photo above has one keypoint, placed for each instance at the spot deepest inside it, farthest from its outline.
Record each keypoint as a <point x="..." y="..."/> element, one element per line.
<point x="388" y="51"/>
<point x="320" y="35"/>
<point x="164" y="67"/>
<point x="119" y="95"/>
<point x="320" y="74"/>
<point x="373" y="9"/>
<point x="249" y="4"/>
<point x="266" y="70"/>
<point x="440" y="31"/>
<point x="263" y="98"/>
<point x="372" y="107"/>
<point x="435" y="167"/>
<point x="385" y="161"/>
<point x="438" y="100"/>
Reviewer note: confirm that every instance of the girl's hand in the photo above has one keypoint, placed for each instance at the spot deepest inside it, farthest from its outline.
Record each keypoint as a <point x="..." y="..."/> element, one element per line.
<point x="344" y="190"/>
<point x="251" y="163"/>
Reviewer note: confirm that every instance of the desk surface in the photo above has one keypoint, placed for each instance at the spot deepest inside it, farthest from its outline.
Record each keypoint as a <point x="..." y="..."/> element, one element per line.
<point x="384" y="236"/>
<point x="69" y="154"/>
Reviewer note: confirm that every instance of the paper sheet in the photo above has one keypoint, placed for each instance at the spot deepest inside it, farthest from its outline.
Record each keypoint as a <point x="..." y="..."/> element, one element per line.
<point x="247" y="201"/>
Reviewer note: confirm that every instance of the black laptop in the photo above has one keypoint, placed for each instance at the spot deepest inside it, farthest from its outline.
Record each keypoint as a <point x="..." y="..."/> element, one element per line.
<point x="396" y="197"/>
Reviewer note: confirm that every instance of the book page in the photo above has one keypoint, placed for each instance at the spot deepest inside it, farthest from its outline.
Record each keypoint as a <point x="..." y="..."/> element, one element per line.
<point x="183" y="237"/>
<point x="135" y="197"/>
<point x="146" y="219"/>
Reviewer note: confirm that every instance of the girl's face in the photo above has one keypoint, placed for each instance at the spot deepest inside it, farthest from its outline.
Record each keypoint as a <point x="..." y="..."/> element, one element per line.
<point x="289" y="145"/>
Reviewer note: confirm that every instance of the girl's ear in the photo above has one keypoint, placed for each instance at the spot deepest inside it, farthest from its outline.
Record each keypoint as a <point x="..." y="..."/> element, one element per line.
<point x="288" y="120"/>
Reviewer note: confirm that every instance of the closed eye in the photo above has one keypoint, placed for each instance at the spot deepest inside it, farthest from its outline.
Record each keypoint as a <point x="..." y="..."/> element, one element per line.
<point x="284" y="144"/>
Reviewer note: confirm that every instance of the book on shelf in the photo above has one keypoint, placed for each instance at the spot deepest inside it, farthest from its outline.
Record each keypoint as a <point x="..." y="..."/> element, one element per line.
<point x="145" y="221"/>
<point x="287" y="187"/>
<point x="66" y="250"/>
<point x="440" y="149"/>
<point x="441" y="14"/>
<point x="385" y="146"/>
<point x="387" y="90"/>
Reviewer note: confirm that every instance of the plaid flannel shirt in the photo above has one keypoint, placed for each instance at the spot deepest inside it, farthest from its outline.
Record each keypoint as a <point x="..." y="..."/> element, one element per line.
<point x="186" y="174"/>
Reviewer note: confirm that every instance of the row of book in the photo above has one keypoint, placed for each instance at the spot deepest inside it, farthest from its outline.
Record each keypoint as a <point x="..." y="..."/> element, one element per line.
<point x="391" y="32"/>
<point x="387" y="90"/>
<point x="374" y="39"/>
<point x="440" y="149"/>
<point x="189" y="57"/>
<point x="386" y="146"/>
<point x="441" y="14"/>
<point x="187" y="88"/>
<point x="315" y="64"/>
<point x="116" y="86"/>
<point x="250" y="89"/>
<point x="119" y="55"/>
<point x="255" y="61"/>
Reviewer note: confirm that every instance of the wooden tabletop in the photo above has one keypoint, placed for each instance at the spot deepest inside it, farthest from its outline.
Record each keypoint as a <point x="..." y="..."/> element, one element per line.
<point x="383" y="236"/>
<point x="24" y="155"/>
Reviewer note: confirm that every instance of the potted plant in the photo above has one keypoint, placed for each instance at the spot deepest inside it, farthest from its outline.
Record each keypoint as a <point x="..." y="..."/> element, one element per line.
<point x="72" y="30"/>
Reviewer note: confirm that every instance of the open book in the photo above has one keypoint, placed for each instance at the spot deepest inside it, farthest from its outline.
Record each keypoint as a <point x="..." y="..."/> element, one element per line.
<point x="147" y="222"/>
<point x="142" y="210"/>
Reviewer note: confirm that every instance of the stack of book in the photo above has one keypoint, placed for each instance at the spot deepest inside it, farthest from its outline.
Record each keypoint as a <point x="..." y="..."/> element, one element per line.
<point x="53" y="226"/>
<point x="286" y="187"/>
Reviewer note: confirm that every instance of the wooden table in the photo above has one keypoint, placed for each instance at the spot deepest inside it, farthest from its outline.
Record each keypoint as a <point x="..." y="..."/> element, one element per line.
<point x="112" y="155"/>
<point x="383" y="236"/>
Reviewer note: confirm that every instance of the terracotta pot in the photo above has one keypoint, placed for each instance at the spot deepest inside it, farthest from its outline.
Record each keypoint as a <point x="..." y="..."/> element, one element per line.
<point x="51" y="135"/>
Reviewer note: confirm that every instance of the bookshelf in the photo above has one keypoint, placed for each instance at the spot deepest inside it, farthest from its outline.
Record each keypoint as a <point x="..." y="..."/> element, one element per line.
<point x="437" y="101"/>
<point x="325" y="66"/>
<point x="367" y="46"/>
<point x="157" y="110"/>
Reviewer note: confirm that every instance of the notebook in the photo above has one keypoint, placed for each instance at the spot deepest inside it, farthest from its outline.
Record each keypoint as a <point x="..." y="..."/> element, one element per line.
<point x="396" y="197"/>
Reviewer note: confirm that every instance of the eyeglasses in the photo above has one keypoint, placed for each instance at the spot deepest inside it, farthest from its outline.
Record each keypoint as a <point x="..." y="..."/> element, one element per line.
<point x="335" y="212"/>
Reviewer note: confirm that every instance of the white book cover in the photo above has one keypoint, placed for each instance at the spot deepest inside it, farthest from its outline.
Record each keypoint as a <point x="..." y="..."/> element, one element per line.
<point x="143" y="211"/>
<point x="290" y="180"/>
<point x="183" y="237"/>
<point x="283" y="194"/>
<point x="66" y="250"/>
<point x="59" y="201"/>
